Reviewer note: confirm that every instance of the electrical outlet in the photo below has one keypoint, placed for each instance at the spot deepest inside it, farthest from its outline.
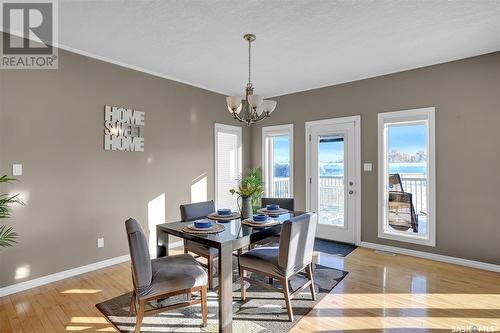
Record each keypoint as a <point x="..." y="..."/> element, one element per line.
<point x="100" y="242"/>
<point x="367" y="167"/>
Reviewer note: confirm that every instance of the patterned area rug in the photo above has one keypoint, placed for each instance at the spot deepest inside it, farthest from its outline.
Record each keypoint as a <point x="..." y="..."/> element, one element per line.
<point x="263" y="311"/>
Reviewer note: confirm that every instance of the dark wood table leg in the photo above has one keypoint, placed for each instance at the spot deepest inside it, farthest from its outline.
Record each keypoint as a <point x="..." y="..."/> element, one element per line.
<point x="226" y="288"/>
<point x="161" y="243"/>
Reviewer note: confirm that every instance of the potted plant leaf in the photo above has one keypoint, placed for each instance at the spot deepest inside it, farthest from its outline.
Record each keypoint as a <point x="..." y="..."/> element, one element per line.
<point x="250" y="191"/>
<point x="8" y="237"/>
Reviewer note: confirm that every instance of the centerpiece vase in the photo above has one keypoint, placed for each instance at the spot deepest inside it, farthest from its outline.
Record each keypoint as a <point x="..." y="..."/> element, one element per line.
<point x="246" y="207"/>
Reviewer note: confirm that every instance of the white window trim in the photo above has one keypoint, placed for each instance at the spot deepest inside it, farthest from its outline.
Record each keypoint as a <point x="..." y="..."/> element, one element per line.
<point x="226" y="129"/>
<point x="427" y="114"/>
<point x="277" y="130"/>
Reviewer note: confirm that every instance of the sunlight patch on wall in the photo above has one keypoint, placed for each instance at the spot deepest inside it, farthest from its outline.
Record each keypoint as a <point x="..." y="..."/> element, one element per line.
<point x="22" y="272"/>
<point x="199" y="189"/>
<point x="156" y="215"/>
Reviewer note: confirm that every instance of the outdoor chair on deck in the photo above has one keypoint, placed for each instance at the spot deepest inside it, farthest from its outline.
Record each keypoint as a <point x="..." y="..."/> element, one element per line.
<point x="402" y="214"/>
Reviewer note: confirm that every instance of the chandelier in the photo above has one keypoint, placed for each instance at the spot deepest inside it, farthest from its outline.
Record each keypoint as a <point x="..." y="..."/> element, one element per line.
<point x="253" y="108"/>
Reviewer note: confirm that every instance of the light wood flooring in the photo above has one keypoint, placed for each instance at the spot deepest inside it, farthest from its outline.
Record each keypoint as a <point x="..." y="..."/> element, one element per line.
<point x="381" y="293"/>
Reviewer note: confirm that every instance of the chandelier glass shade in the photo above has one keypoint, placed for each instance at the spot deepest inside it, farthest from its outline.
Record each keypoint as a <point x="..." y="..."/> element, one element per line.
<point x="252" y="108"/>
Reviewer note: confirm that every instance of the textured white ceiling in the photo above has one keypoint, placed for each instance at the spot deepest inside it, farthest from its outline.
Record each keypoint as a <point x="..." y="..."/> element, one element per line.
<point x="300" y="45"/>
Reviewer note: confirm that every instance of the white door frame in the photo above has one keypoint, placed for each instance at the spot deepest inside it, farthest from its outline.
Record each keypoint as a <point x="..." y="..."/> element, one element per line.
<point x="357" y="192"/>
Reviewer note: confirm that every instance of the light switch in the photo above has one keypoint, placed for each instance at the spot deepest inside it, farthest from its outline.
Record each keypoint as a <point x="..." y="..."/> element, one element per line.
<point x="17" y="169"/>
<point x="367" y="167"/>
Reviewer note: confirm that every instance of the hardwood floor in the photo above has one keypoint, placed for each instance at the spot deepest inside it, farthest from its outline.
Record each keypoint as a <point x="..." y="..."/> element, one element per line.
<point x="381" y="293"/>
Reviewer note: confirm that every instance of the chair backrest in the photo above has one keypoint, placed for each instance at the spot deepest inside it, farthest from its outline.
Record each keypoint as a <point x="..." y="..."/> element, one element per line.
<point x="197" y="210"/>
<point x="297" y="242"/>
<point x="395" y="183"/>
<point x="286" y="203"/>
<point x="139" y="255"/>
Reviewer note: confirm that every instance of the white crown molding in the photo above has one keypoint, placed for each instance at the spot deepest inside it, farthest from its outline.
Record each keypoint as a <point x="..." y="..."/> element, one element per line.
<point x="15" y="288"/>
<point x="433" y="256"/>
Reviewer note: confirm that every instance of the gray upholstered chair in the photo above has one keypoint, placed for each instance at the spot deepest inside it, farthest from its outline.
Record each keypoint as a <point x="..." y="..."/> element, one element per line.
<point x="194" y="211"/>
<point x="293" y="255"/>
<point x="163" y="277"/>
<point x="286" y="203"/>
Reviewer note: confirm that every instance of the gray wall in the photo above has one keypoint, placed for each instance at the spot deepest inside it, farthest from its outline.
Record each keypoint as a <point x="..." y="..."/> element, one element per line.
<point x="466" y="95"/>
<point x="51" y="121"/>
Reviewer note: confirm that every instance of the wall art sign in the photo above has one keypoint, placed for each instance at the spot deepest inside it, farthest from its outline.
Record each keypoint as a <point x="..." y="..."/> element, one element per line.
<point x="123" y="129"/>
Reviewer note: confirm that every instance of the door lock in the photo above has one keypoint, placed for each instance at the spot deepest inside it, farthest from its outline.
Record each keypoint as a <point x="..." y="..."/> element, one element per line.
<point x="351" y="192"/>
<point x="351" y="183"/>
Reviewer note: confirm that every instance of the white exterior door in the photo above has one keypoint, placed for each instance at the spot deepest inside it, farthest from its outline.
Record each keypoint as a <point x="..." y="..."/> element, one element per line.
<point x="334" y="172"/>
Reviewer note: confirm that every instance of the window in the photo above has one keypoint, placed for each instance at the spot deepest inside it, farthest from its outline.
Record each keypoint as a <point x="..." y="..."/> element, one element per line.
<point x="227" y="164"/>
<point x="407" y="176"/>
<point x="277" y="160"/>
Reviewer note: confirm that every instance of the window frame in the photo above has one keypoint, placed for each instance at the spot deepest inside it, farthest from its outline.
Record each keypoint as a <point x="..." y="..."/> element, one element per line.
<point x="272" y="131"/>
<point x="401" y="117"/>
<point x="231" y="130"/>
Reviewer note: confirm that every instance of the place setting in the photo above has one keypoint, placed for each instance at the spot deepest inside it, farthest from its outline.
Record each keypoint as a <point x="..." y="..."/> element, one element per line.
<point x="224" y="215"/>
<point x="204" y="226"/>
<point x="260" y="221"/>
<point x="273" y="210"/>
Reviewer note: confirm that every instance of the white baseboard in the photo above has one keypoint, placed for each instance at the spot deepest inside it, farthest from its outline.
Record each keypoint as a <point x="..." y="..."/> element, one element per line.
<point x="433" y="256"/>
<point x="15" y="288"/>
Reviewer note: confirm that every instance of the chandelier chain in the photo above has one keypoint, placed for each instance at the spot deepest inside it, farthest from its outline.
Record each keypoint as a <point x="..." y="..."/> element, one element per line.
<point x="249" y="61"/>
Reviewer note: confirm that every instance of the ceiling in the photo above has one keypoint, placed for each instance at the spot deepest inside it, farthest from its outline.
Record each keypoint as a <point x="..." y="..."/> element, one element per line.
<point x="300" y="45"/>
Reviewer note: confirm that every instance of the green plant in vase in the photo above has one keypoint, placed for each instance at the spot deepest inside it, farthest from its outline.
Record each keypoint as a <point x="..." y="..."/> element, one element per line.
<point x="250" y="192"/>
<point x="8" y="237"/>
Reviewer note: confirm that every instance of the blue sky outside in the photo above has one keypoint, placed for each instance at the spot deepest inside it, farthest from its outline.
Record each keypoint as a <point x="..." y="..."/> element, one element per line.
<point x="408" y="138"/>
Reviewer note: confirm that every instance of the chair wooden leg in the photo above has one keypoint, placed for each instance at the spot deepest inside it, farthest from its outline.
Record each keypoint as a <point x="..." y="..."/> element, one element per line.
<point x="210" y="267"/>
<point x="242" y="284"/>
<point x="271" y="281"/>
<point x="204" y="306"/>
<point x="188" y="296"/>
<point x="286" y="292"/>
<point x="310" y="277"/>
<point x="132" y="309"/>
<point x="140" y="316"/>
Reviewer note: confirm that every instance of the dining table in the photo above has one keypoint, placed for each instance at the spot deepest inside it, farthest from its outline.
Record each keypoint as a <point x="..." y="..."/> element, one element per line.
<point x="236" y="235"/>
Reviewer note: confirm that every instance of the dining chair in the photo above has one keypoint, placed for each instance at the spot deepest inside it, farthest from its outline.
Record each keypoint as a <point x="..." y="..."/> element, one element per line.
<point x="194" y="211"/>
<point x="162" y="278"/>
<point x="291" y="257"/>
<point x="286" y="203"/>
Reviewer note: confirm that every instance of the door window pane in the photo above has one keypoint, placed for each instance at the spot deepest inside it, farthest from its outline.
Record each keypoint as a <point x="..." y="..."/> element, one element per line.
<point x="331" y="180"/>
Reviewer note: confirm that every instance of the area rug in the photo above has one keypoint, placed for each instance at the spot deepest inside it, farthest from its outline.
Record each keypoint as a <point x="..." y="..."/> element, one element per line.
<point x="263" y="311"/>
<point x="334" y="248"/>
